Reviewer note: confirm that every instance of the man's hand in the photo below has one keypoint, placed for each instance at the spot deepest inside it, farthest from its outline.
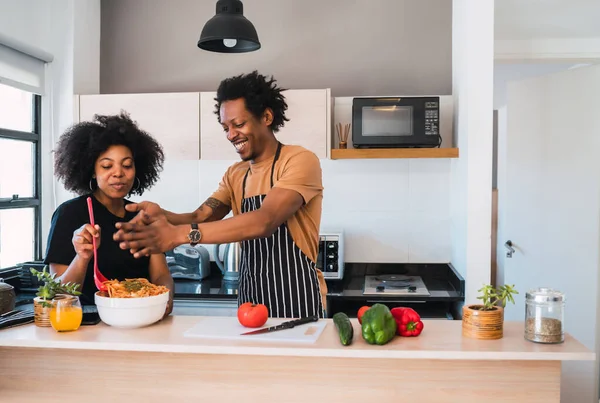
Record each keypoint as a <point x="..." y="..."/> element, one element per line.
<point x="148" y="235"/>
<point x="151" y="209"/>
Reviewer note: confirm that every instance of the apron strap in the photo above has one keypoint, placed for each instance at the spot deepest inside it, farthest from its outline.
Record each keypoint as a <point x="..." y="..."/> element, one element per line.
<point x="277" y="153"/>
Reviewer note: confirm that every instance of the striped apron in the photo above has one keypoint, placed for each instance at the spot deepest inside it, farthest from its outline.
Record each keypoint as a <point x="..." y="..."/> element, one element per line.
<point x="275" y="272"/>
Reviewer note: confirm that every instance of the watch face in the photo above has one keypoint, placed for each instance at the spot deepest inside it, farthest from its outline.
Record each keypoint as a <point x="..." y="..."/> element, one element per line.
<point x="194" y="236"/>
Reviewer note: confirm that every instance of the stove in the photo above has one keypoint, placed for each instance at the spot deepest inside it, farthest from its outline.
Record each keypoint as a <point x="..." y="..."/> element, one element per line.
<point x="391" y="284"/>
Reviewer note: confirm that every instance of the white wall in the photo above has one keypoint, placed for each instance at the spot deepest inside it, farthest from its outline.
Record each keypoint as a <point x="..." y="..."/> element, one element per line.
<point x="49" y="25"/>
<point x="353" y="47"/>
<point x="473" y="50"/>
<point x="28" y="21"/>
<point x="86" y="47"/>
<point x="506" y="72"/>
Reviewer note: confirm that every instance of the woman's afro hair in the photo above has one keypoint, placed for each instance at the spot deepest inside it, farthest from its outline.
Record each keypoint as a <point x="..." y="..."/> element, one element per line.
<point x="80" y="146"/>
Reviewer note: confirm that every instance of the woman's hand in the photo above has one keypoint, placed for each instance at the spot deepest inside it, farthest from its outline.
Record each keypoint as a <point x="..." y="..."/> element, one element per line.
<point x="169" y="305"/>
<point x="82" y="240"/>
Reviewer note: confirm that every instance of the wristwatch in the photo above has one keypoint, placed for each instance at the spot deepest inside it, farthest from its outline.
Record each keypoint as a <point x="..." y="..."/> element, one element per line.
<point x="195" y="235"/>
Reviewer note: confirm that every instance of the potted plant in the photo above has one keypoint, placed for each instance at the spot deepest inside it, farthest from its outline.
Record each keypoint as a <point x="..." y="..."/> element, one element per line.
<point x="486" y="320"/>
<point x="42" y="303"/>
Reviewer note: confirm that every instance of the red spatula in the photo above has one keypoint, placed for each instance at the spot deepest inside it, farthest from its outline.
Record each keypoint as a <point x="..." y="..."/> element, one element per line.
<point x="99" y="279"/>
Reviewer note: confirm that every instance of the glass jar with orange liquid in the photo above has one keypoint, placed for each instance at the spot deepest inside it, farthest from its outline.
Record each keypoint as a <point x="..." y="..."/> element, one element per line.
<point x="66" y="313"/>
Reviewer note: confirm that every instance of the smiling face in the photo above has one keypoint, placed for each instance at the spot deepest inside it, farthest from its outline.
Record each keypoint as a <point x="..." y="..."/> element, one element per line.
<point x="248" y="134"/>
<point x="115" y="172"/>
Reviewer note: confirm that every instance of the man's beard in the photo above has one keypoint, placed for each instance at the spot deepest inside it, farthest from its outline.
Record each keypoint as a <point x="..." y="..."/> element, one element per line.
<point x="250" y="157"/>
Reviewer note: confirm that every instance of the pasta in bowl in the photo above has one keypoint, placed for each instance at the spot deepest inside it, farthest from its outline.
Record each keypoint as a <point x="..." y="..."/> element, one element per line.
<point x="131" y="303"/>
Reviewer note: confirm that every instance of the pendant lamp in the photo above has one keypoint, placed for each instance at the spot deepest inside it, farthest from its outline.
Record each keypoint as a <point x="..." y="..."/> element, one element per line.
<point x="229" y="31"/>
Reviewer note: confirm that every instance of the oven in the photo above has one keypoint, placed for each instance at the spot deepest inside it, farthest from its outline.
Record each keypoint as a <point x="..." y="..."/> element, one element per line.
<point x="330" y="259"/>
<point x="392" y="290"/>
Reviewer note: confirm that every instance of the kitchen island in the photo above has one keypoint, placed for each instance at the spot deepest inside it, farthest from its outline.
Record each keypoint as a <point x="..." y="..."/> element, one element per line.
<point x="159" y="364"/>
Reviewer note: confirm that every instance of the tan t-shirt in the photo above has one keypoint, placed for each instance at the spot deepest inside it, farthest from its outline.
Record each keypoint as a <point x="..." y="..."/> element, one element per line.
<point x="296" y="169"/>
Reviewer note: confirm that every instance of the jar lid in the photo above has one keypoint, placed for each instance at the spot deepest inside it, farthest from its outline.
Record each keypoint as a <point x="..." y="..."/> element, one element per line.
<point x="5" y="286"/>
<point x="544" y="294"/>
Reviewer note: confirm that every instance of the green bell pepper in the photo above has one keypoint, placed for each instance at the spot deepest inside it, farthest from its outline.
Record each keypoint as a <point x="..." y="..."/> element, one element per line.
<point x="378" y="325"/>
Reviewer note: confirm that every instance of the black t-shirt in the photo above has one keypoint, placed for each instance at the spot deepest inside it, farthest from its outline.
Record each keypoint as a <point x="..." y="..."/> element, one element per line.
<point x="113" y="262"/>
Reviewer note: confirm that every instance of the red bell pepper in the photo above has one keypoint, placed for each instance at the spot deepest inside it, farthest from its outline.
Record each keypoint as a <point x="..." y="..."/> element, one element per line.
<point x="408" y="321"/>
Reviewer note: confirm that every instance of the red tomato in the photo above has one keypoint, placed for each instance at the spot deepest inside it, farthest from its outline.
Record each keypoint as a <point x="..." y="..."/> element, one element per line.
<point x="252" y="315"/>
<point x="361" y="312"/>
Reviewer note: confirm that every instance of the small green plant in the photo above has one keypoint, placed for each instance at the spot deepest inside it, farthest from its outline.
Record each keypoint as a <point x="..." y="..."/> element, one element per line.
<point x="52" y="286"/>
<point x="491" y="296"/>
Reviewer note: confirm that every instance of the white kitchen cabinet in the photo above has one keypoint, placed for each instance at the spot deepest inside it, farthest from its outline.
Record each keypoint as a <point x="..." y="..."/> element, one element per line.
<point x="173" y="119"/>
<point x="309" y="125"/>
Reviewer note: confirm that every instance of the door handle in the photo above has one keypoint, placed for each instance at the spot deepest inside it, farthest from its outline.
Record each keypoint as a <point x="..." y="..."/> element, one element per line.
<point x="508" y="245"/>
<point x="396" y="301"/>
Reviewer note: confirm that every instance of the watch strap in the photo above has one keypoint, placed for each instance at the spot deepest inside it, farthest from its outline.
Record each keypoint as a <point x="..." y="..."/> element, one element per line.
<point x="194" y="235"/>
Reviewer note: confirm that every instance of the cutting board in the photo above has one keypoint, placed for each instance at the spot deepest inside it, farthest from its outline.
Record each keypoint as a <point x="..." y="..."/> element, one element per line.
<point x="216" y="327"/>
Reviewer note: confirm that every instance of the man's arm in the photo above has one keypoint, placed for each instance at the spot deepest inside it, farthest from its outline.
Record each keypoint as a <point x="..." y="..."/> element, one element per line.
<point x="211" y="210"/>
<point x="158" y="235"/>
<point x="299" y="183"/>
<point x="277" y="207"/>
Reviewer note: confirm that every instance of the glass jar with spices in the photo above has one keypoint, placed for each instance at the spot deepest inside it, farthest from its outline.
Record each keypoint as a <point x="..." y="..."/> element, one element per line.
<point x="544" y="316"/>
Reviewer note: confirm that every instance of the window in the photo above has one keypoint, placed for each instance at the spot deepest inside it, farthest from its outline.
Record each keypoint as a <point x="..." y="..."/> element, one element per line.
<point x="20" y="176"/>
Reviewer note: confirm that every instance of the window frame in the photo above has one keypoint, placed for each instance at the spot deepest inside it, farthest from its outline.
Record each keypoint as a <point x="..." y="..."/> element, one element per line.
<point x="33" y="137"/>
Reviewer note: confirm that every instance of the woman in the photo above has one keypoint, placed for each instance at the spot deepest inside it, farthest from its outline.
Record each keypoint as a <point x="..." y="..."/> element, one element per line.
<point x="108" y="159"/>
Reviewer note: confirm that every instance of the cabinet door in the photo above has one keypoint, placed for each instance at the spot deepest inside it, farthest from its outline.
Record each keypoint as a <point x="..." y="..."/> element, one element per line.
<point x="213" y="139"/>
<point x="171" y="118"/>
<point x="309" y="120"/>
<point x="308" y="126"/>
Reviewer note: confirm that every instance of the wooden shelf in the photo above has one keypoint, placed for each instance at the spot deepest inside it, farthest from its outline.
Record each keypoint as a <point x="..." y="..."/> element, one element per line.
<point x="355" y="153"/>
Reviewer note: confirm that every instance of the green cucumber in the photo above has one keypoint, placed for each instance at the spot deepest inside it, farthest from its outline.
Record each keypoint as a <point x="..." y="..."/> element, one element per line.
<point x="344" y="328"/>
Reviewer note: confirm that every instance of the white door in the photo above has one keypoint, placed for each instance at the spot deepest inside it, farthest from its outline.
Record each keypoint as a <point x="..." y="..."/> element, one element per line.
<point x="549" y="201"/>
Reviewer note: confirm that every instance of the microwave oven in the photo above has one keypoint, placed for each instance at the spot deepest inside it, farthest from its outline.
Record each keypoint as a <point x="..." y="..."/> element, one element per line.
<point x="396" y="122"/>
<point x="330" y="259"/>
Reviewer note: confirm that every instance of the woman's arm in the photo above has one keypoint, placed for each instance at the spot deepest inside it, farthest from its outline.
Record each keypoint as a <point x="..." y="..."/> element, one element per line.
<point x="74" y="273"/>
<point x="160" y="275"/>
<point x="84" y="249"/>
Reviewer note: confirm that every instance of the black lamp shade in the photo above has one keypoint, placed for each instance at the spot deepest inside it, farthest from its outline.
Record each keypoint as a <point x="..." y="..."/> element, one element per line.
<point x="229" y="31"/>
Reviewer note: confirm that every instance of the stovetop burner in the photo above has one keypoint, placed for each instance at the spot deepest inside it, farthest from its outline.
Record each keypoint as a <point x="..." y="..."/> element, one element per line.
<point x="395" y="285"/>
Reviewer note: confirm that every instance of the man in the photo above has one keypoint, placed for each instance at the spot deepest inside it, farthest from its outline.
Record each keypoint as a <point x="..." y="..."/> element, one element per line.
<point x="275" y="194"/>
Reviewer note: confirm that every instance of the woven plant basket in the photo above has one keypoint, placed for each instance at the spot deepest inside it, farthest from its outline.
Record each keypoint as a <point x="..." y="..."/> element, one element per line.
<point x="483" y="325"/>
<point x="41" y="314"/>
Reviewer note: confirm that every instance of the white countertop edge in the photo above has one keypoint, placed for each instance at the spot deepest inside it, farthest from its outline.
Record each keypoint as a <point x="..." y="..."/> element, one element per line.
<point x="302" y="351"/>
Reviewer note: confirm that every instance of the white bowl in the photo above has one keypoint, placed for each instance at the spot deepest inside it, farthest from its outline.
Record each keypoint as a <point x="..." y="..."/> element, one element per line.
<point x="131" y="312"/>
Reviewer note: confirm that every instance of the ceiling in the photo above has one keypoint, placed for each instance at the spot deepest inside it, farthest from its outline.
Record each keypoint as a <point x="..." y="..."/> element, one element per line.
<point x="536" y="19"/>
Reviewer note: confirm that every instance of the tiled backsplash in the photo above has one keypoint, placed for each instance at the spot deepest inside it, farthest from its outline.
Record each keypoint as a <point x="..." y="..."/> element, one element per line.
<point x="390" y="210"/>
<point x="395" y="210"/>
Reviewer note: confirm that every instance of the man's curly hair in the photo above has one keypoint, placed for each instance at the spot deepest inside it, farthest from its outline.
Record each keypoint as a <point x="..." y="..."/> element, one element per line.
<point x="258" y="92"/>
<point x="80" y="146"/>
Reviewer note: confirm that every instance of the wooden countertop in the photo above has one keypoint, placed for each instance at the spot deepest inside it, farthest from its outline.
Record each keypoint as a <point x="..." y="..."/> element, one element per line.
<point x="441" y="339"/>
